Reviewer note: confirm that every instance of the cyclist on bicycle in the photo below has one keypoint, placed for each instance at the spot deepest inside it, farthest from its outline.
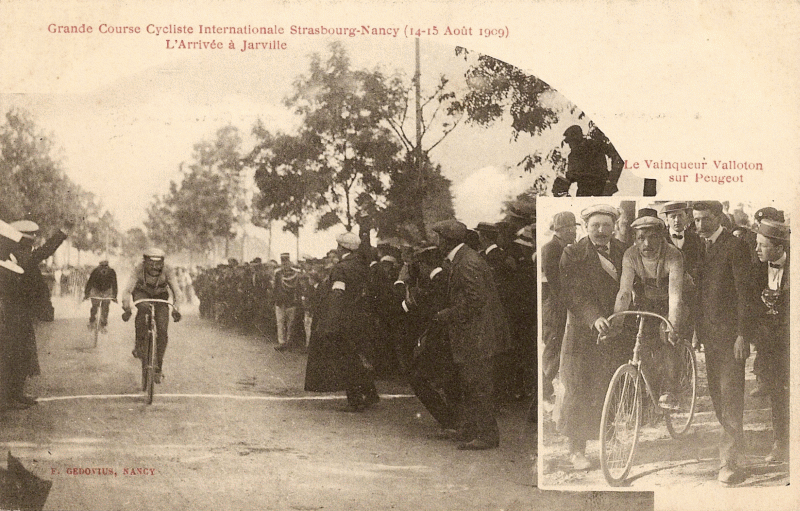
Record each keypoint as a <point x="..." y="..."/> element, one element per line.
<point x="102" y="283"/>
<point x="152" y="278"/>
<point x="652" y="278"/>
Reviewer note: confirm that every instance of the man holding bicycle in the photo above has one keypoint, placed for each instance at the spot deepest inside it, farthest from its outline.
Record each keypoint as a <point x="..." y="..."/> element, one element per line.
<point x="152" y="279"/>
<point x="652" y="278"/>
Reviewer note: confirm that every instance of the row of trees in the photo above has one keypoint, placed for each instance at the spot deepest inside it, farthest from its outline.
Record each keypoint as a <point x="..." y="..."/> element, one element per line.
<point x="361" y="154"/>
<point x="34" y="186"/>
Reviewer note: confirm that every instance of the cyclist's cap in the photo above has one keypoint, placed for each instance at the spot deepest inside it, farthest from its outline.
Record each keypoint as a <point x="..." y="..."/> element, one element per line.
<point x="348" y="240"/>
<point x="769" y="213"/>
<point x="154" y="253"/>
<point x="599" y="209"/>
<point x="563" y="219"/>
<point x="648" y="222"/>
<point x="671" y="207"/>
<point x="774" y="230"/>
<point x="26" y="227"/>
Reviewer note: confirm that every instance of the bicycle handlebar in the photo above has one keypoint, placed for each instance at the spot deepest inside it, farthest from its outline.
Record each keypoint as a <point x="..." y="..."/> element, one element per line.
<point x="670" y="328"/>
<point x="153" y="300"/>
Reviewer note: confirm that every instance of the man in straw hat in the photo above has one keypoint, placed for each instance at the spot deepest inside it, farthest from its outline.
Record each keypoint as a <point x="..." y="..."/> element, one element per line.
<point x="772" y="286"/>
<point x="723" y="324"/>
<point x="589" y="281"/>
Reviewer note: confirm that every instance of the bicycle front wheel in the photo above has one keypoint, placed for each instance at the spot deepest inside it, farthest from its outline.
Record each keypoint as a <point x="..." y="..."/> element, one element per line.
<point x="151" y="367"/>
<point x="678" y="421"/>
<point x="620" y="422"/>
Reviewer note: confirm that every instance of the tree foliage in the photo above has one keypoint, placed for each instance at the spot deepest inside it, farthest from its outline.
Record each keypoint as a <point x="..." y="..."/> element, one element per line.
<point x="208" y="202"/>
<point x="34" y="186"/>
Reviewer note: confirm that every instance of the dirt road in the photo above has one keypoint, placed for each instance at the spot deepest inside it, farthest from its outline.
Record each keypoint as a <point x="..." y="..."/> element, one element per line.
<point x="231" y="428"/>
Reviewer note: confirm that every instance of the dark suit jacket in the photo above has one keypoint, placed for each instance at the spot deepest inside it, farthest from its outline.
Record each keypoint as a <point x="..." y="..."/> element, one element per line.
<point x="724" y="291"/>
<point x="551" y="257"/>
<point x="474" y="316"/>
<point x="588" y="291"/>
<point x="692" y="251"/>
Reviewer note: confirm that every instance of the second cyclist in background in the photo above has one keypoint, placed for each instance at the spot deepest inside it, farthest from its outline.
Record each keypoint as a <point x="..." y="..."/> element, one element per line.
<point x="152" y="278"/>
<point x="102" y="283"/>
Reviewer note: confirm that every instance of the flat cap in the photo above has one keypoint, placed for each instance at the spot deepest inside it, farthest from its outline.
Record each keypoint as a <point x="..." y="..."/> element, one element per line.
<point x="671" y="207"/>
<point x="154" y="253"/>
<point x="599" y="209"/>
<point x="563" y="219"/>
<point x="774" y="230"/>
<point x="648" y="222"/>
<point x="451" y="229"/>
<point x="349" y="240"/>
<point x="769" y="213"/>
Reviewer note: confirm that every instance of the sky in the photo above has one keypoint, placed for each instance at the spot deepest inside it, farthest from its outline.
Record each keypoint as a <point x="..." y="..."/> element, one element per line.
<point x="125" y="138"/>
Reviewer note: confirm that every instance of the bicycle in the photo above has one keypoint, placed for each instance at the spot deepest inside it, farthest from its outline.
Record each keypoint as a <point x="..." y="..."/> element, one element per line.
<point x="96" y="324"/>
<point x="622" y="408"/>
<point x="149" y="361"/>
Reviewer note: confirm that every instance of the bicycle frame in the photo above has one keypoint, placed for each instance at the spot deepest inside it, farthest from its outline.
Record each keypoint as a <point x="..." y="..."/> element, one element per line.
<point x="96" y="327"/>
<point x="637" y="347"/>
<point x="149" y="365"/>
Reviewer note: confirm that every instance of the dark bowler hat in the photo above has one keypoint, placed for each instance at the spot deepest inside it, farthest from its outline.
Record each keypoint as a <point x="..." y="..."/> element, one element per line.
<point x="769" y="213"/>
<point x="451" y="230"/>
<point x="486" y="227"/>
<point x="774" y="230"/>
<point x="600" y="209"/>
<point x="646" y="212"/>
<point x="671" y="207"/>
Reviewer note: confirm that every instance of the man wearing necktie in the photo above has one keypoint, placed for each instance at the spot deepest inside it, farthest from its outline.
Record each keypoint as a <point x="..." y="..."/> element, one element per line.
<point x="589" y="281"/>
<point x="724" y="304"/>
<point x="772" y="288"/>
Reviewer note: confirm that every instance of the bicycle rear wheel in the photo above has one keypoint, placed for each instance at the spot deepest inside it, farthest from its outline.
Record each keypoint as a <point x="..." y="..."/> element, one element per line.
<point x="678" y="421"/>
<point x="620" y="423"/>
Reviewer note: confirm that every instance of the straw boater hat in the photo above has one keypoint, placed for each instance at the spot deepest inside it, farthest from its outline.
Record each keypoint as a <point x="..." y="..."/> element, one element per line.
<point x="671" y="207"/>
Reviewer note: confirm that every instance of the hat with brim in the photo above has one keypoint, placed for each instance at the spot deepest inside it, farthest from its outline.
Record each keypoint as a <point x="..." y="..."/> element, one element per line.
<point x="452" y="230"/>
<point x="648" y="222"/>
<point x="524" y="237"/>
<point x="348" y="241"/>
<point x="486" y="227"/>
<point x="599" y="209"/>
<point x="672" y="207"/>
<point x="769" y="213"/>
<point x="774" y="230"/>
<point x="28" y="228"/>
<point x="562" y="220"/>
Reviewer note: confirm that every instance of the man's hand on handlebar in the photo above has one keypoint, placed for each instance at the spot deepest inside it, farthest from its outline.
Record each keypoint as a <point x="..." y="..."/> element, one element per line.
<point x="176" y="316"/>
<point x="126" y="315"/>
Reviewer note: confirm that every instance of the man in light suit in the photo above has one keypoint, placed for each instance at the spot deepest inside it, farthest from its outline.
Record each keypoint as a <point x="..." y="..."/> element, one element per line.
<point x="772" y="283"/>
<point x="723" y="306"/>
<point x="590" y="272"/>
<point x="478" y="330"/>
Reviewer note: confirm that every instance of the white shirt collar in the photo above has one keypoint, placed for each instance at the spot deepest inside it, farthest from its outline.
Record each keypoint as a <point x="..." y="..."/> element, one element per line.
<point x="435" y="271"/>
<point x="453" y="252"/>
<point x="716" y="234"/>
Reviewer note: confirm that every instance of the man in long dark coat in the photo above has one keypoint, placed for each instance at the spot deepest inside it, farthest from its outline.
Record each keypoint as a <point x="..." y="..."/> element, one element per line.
<point x="724" y="299"/>
<point x="590" y="272"/>
<point x="477" y="328"/>
<point x="339" y="355"/>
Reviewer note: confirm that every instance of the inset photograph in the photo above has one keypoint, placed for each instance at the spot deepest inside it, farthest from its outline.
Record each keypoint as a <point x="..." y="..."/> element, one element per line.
<point x="664" y="348"/>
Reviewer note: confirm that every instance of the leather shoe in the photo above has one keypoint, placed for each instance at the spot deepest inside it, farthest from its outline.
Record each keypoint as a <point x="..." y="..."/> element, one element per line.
<point x="777" y="454"/>
<point x="727" y="475"/>
<point x="579" y="461"/>
<point x="478" y="445"/>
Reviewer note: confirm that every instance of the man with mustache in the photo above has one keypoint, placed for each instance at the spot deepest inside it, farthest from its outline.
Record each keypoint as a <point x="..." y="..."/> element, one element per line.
<point x="723" y="322"/>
